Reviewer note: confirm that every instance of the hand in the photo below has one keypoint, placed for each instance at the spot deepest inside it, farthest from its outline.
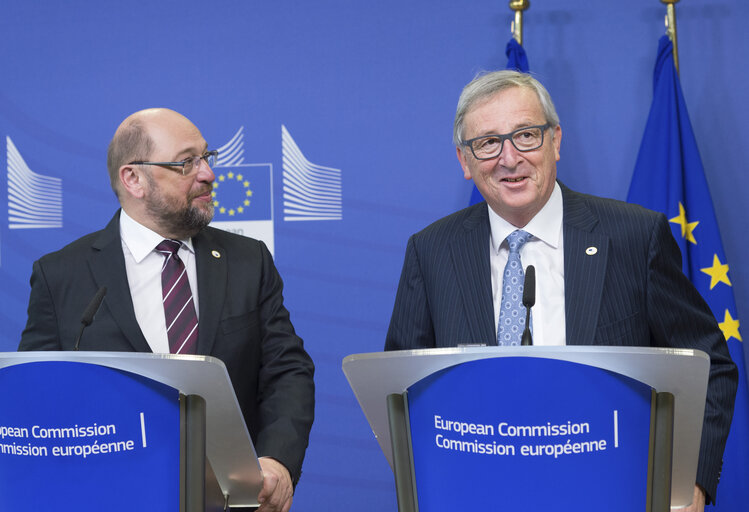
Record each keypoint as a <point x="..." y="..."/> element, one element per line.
<point x="698" y="501"/>
<point x="277" y="491"/>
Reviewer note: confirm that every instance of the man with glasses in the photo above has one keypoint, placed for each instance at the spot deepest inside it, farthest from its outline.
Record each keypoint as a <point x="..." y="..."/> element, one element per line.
<point x="175" y="285"/>
<point x="607" y="272"/>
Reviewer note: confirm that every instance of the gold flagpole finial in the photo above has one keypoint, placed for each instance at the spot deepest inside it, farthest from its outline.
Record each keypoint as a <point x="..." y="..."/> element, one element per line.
<point x="671" y="28"/>
<point x="517" y="26"/>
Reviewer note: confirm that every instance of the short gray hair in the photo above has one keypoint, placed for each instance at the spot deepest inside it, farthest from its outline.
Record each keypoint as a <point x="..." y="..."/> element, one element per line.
<point x="487" y="84"/>
<point x="131" y="142"/>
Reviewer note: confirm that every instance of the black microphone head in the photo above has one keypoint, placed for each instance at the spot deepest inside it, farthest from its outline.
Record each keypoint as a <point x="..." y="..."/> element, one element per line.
<point x="529" y="287"/>
<point x="93" y="307"/>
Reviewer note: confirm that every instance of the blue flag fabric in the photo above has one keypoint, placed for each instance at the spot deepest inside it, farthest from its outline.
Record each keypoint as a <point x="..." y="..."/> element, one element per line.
<point x="669" y="178"/>
<point x="518" y="61"/>
<point x="516" y="57"/>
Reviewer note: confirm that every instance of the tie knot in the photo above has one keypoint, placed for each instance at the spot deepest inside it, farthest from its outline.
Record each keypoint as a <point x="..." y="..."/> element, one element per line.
<point x="169" y="247"/>
<point x="517" y="239"/>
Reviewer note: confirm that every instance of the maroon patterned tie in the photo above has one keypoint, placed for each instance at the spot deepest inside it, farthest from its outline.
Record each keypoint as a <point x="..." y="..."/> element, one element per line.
<point x="179" y="309"/>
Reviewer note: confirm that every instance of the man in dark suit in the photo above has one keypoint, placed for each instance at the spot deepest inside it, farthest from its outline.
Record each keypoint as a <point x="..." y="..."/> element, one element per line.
<point x="164" y="269"/>
<point x="608" y="273"/>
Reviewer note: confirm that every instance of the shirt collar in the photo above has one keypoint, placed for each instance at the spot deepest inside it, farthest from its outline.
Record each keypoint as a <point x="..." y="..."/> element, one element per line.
<point x="140" y="240"/>
<point x="546" y="225"/>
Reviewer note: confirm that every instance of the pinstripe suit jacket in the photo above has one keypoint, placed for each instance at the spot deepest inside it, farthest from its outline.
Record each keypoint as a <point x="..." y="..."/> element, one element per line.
<point x="631" y="292"/>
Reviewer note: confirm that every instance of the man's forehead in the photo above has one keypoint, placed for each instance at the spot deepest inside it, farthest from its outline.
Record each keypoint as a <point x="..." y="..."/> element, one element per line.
<point x="512" y="98"/>
<point x="170" y="121"/>
<point x="178" y="132"/>
<point x="513" y="106"/>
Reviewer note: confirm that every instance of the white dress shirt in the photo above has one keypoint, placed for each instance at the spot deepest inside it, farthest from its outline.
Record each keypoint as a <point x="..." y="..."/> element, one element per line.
<point x="545" y="251"/>
<point x="143" y="266"/>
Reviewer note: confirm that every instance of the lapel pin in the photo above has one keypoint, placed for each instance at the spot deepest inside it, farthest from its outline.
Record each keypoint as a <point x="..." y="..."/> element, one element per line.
<point x="216" y="254"/>
<point x="590" y="251"/>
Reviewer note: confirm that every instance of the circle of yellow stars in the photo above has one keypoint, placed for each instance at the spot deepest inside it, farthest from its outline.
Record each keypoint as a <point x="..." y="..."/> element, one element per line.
<point x="221" y="178"/>
<point x="718" y="273"/>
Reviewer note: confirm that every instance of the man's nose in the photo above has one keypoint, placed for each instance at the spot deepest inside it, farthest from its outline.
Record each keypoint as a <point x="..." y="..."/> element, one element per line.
<point x="509" y="156"/>
<point x="205" y="173"/>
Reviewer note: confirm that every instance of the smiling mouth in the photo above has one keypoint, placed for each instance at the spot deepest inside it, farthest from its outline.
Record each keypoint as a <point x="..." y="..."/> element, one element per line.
<point x="513" y="180"/>
<point x="203" y="195"/>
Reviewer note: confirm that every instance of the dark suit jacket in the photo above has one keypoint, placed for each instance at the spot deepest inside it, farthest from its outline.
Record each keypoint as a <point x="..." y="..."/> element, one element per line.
<point x="631" y="292"/>
<point x="243" y="322"/>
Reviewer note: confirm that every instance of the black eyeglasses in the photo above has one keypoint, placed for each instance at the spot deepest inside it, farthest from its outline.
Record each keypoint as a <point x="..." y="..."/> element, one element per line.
<point x="188" y="164"/>
<point x="524" y="139"/>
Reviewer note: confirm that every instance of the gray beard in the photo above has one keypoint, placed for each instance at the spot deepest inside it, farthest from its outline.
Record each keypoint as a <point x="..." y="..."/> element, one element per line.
<point x="182" y="222"/>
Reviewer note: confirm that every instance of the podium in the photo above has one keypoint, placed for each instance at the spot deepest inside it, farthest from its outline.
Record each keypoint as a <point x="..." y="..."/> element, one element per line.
<point x="575" y="428"/>
<point x="122" y="431"/>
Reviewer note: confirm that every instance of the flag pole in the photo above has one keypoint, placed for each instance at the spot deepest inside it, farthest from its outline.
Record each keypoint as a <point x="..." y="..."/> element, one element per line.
<point x="517" y="26"/>
<point x="671" y="28"/>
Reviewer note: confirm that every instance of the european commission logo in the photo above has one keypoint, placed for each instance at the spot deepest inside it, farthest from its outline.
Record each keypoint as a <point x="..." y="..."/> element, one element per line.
<point x="34" y="200"/>
<point x="243" y="193"/>
<point x="310" y="191"/>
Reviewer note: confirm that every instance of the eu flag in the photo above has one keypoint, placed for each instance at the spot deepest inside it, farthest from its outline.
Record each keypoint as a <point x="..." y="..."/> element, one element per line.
<point x="669" y="178"/>
<point x="516" y="57"/>
<point x="518" y="61"/>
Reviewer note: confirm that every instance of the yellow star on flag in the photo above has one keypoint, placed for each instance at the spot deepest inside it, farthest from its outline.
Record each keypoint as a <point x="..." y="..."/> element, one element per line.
<point x="718" y="272"/>
<point x="686" y="227"/>
<point x="730" y="327"/>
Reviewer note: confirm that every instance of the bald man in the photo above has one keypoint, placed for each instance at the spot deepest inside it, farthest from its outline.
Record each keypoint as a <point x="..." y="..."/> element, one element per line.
<point x="175" y="285"/>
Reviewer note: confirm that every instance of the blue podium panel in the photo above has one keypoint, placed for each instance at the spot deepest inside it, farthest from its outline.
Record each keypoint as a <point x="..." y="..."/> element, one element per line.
<point x="77" y="436"/>
<point x="530" y="434"/>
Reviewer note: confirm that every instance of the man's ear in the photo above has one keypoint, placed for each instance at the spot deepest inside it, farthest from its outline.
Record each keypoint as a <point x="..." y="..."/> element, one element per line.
<point x="133" y="181"/>
<point x="557" y="141"/>
<point x="463" y="163"/>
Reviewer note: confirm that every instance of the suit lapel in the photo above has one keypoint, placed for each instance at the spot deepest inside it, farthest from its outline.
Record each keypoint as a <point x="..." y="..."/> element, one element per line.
<point x="107" y="264"/>
<point x="585" y="259"/>
<point x="470" y="253"/>
<point x="211" y="260"/>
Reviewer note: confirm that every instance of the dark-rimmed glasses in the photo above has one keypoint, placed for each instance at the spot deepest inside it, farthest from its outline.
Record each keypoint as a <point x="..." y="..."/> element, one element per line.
<point x="523" y="139"/>
<point x="188" y="164"/>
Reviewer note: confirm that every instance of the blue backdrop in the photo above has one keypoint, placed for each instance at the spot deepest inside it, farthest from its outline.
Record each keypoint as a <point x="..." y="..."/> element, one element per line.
<point x="366" y="91"/>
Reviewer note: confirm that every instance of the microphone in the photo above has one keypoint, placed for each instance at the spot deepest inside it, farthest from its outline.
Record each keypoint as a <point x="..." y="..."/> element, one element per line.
<point x="90" y="311"/>
<point x="529" y="299"/>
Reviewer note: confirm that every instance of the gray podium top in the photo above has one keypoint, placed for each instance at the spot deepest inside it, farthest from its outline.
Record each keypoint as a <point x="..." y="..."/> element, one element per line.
<point x="228" y="445"/>
<point x="681" y="372"/>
